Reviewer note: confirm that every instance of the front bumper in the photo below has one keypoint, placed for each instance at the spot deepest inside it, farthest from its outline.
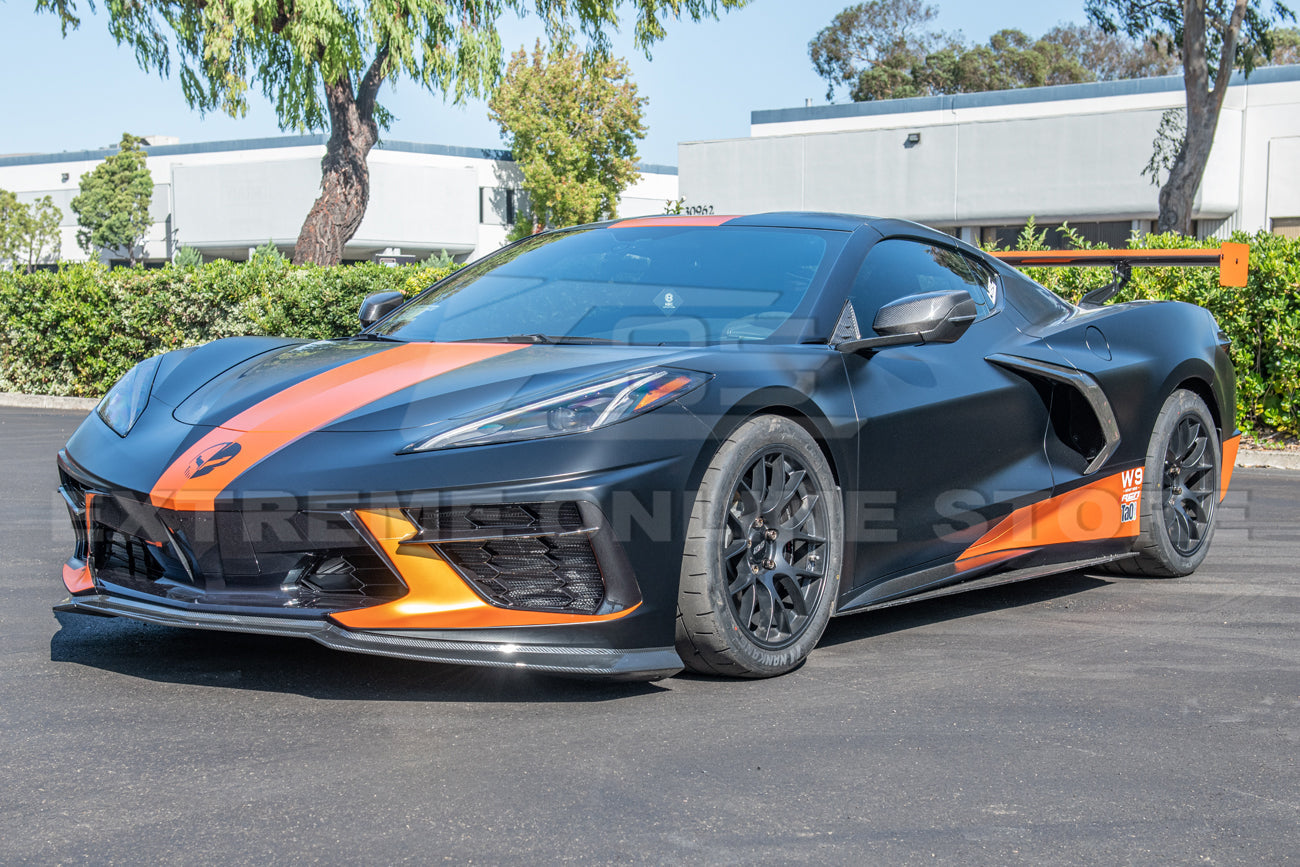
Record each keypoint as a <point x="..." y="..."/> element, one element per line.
<point x="426" y="645"/>
<point x="443" y="576"/>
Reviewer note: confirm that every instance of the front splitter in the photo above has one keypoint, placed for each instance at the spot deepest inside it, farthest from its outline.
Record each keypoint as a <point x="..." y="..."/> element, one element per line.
<point x="653" y="663"/>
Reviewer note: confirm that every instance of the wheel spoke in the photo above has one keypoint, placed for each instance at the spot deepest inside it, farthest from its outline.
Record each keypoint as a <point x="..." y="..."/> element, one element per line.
<point x="773" y="547"/>
<point x="799" y="518"/>
<point x="798" y="603"/>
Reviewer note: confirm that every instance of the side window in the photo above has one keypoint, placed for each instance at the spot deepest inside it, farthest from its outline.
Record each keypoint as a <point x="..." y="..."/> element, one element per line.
<point x="989" y="295"/>
<point x="895" y="268"/>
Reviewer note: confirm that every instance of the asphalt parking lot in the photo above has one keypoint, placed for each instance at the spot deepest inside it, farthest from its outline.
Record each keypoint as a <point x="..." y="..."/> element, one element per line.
<point x="1080" y="719"/>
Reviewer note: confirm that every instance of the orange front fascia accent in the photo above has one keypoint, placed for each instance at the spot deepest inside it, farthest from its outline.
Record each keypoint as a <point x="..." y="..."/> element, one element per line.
<point x="269" y="426"/>
<point x="673" y="220"/>
<point x="77" y="580"/>
<point x="1230" y="447"/>
<point x="1091" y="513"/>
<point x="438" y="597"/>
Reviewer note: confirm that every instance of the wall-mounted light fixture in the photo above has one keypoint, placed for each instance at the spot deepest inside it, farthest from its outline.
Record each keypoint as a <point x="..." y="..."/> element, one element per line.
<point x="913" y="139"/>
<point x="64" y="177"/>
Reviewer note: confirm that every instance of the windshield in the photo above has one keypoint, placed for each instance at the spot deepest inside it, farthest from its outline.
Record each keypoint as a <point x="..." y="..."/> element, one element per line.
<point x="647" y="285"/>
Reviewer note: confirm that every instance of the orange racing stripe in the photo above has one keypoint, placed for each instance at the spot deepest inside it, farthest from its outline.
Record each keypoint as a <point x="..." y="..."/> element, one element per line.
<point x="267" y="427"/>
<point x="673" y="220"/>
<point x="1090" y="513"/>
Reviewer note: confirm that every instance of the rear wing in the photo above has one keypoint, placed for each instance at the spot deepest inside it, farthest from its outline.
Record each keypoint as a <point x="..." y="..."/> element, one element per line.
<point x="1232" y="260"/>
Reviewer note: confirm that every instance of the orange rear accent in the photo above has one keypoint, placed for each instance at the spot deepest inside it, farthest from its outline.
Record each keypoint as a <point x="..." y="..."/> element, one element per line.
<point x="1233" y="260"/>
<point x="1230" y="447"/>
<point x="1093" y="512"/>
<point x="269" y="426"/>
<point x="439" y="598"/>
<point x="673" y="220"/>
<point x="1235" y="264"/>
<point x="77" y="580"/>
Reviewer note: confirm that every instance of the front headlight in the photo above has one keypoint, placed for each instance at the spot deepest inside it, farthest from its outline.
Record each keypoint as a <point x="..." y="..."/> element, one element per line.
<point x="582" y="409"/>
<point x="126" y="400"/>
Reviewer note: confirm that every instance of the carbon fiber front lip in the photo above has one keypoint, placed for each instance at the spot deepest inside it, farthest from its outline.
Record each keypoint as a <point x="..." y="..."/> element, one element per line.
<point x="651" y="663"/>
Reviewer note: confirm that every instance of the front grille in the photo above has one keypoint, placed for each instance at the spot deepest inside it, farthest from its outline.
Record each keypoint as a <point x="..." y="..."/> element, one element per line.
<point x="447" y="522"/>
<point x="530" y="556"/>
<point x="301" y="561"/>
<point x="540" y="573"/>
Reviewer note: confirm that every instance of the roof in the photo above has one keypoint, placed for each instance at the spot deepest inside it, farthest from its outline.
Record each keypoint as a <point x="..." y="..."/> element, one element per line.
<point x="1019" y="96"/>
<point x="284" y="141"/>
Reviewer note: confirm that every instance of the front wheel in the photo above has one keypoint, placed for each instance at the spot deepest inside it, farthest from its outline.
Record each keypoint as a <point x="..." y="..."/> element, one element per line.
<point x="1180" y="490"/>
<point x="761" y="565"/>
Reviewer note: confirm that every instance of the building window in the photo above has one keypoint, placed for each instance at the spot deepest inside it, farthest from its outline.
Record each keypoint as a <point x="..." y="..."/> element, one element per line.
<point x="1287" y="227"/>
<point x="498" y="206"/>
<point x="1113" y="234"/>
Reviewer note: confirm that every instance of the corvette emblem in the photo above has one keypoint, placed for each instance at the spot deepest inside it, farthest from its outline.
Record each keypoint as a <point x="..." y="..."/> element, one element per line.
<point x="211" y="458"/>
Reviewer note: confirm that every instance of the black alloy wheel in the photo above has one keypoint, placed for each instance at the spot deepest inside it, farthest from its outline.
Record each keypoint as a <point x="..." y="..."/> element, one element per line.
<point x="1189" y="491"/>
<point x="1180" y="490"/>
<point x="773" y="549"/>
<point x="761" y="562"/>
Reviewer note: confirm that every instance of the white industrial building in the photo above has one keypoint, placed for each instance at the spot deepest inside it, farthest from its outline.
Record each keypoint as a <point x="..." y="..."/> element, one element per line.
<point x="978" y="165"/>
<point x="226" y="197"/>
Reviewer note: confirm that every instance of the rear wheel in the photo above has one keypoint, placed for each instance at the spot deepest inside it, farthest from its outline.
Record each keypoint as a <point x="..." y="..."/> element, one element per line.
<point x="1180" y="490"/>
<point x="761" y="566"/>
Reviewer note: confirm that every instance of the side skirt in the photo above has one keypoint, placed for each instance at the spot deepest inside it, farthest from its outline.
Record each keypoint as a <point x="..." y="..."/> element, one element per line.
<point x="1000" y="578"/>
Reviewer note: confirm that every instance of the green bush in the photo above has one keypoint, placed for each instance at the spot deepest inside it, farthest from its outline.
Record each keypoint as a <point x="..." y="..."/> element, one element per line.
<point x="1262" y="319"/>
<point x="74" y="331"/>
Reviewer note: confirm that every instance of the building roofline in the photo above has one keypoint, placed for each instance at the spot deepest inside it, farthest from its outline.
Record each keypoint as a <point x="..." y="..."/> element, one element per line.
<point x="284" y="141"/>
<point x="1020" y="96"/>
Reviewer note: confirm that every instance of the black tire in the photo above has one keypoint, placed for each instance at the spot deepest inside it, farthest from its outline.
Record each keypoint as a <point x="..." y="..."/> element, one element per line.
<point x="761" y="566"/>
<point x="1180" y="491"/>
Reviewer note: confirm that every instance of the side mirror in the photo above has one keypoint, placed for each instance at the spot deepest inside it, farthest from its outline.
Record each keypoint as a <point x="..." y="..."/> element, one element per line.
<point x="379" y="305"/>
<point x="935" y="317"/>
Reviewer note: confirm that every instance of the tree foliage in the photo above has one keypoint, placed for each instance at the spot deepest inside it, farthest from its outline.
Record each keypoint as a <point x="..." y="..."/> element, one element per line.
<point x="322" y="63"/>
<point x="1211" y="38"/>
<point x="113" y="206"/>
<point x="885" y="49"/>
<point x="572" y="128"/>
<point x="29" y="233"/>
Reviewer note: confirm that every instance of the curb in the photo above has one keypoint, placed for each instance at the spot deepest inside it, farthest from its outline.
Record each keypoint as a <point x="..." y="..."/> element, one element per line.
<point x="1262" y="458"/>
<point x="46" y="401"/>
<point x="1276" y="460"/>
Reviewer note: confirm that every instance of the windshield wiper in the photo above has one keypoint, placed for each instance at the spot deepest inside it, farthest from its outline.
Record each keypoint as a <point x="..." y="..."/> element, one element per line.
<point x="549" y="339"/>
<point x="381" y="337"/>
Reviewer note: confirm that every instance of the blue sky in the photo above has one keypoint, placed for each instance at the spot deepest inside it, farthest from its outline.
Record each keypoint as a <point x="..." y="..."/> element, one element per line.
<point x="703" y="81"/>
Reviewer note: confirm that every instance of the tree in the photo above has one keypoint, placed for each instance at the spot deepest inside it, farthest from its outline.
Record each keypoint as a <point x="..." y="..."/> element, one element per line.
<point x="322" y="62"/>
<point x="113" y="206"/>
<point x="42" y="241"/>
<point x="882" y="35"/>
<point x="29" y="234"/>
<point x="884" y="50"/>
<point x="572" y="128"/>
<point x="1212" y="38"/>
<point x="1286" y="46"/>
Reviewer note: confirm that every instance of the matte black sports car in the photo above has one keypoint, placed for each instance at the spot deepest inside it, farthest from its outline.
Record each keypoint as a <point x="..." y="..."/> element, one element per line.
<point x="628" y="448"/>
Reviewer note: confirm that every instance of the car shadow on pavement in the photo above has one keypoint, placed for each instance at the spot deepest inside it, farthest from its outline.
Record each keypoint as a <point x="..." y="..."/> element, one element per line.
<point x="296" y="666"/>
<point x="856" y="627"/>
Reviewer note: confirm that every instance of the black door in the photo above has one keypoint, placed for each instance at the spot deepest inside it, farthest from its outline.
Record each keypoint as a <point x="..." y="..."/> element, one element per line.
<point x="948" y="441"/>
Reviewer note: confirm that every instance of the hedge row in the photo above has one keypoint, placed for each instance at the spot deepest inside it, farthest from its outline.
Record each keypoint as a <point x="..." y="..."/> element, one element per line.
<point x="76" y="330"/>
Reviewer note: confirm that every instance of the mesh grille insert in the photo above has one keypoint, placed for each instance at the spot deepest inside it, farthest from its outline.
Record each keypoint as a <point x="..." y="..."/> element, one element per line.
<point x="531" y="556"/>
